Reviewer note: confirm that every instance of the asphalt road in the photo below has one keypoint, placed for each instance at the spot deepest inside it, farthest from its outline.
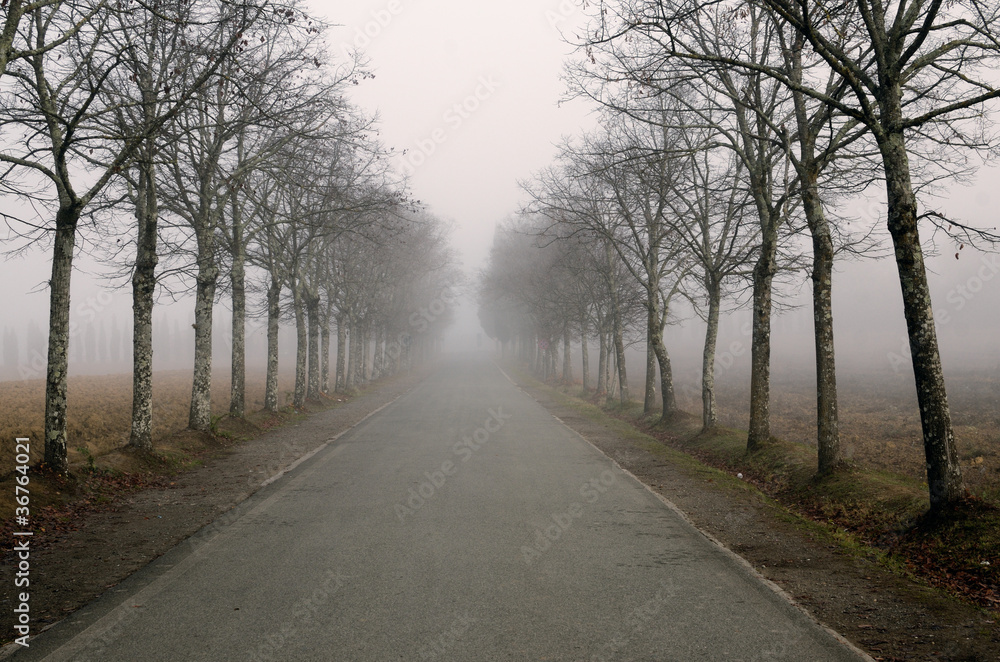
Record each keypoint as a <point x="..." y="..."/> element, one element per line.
<point x="462" y="522"/>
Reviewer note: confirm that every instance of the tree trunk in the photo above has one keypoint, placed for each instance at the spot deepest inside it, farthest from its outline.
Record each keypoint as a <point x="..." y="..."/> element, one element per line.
<point x="827" y="425"/>
<point x="67" y="218"/>
<point x="944" y="474"/>
<point x="759" y="433"/>
<point x="585" y="367"/>
<point x="709" y="416"/>
<point x="312" y="302"/>
<point x="200" y="417"/>
<point x="301" y="345"/>
<point x="602" y="363"/>
<point x="656" y="321"/>
<point x="353" y="357"/>
<point x="620" y="361"/>
<point x="365" y="354"/>
<point x="567" y="369"/>
<point x="341" y="376"/>
<point x="378" y="363"/>
<point x="143" y="290"/>
<point x="828" y="446"/>
<point x="325" y="353"/>
<point x="237" y="277"/>
<point x="649" y="389"/>
<point x="669" y="398"/>
<point x="273" y="317"/>
<point x="14" y="13"/>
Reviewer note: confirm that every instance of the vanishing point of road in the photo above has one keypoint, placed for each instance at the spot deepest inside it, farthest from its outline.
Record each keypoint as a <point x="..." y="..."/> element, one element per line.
<point x="461" y="522"/>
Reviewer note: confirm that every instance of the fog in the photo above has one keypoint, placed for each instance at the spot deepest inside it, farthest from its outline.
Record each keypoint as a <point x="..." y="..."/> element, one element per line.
<point x="471" y="92"/>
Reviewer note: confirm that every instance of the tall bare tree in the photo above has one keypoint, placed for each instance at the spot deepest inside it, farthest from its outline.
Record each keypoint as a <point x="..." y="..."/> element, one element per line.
<point x="55" y="127"/>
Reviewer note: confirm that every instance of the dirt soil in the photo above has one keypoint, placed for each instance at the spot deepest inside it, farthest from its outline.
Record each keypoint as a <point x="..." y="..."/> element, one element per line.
<point x="889" y="616"/>
<point x="75" y="562"/>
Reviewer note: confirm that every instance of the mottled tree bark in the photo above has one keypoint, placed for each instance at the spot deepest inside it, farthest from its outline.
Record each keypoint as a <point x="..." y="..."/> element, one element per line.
<point x="649" y="388"/>
<point x="143" y="290"/>
<point x="759" y="433"/>
<point x="827" y="425"/>
<point x="354" y="357"/>
<point x="619" y="342"/>
<point x="14" y="13"/>
<point x="273" y="318"/>
<point x="341" y="376"/>
<point x="301" y="345"/>
<point x="365" y="354"/>
<point x="656" y="321"/>
<point x="567" y="369"/>
<point x="67" y="218"/>
<point x="200" y="417"/>
<point x="312" y="302"/>
<point x="944" y="473"/>
<point x="378" y="363"/>
<point x="237" y="278"/>
<point x="602" y="363"/>
<point x="829" y="451"/>
<point x="709" y="416"/>
<point x="669" y="398"/>
<point x="325" y="354"/>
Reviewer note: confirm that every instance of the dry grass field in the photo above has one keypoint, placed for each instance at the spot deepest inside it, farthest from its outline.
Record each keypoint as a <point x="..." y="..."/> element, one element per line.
<point x="880" y="421"/>
<point x="879" y="418"/>
<point x="99" y="410"/>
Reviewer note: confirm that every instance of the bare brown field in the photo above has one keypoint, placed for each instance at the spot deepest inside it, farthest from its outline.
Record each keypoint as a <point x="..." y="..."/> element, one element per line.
<point x="880" y="421"/>
<point x="99" y="410"/>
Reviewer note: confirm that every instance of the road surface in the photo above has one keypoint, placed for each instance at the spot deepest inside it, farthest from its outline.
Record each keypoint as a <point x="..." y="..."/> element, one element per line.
<point x="461" y="522"/>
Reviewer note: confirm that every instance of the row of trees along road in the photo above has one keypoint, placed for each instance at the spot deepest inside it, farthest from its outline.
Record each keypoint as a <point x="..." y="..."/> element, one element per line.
<point x="208" y="145"/>
<point x="729" y="131"/>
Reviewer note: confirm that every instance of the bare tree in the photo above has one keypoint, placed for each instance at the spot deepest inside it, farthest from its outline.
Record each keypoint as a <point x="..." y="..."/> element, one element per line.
<point x="710" y="213"/>
<point x="633" y="169"/>
<point x="58" y="110"/>
<point x="18" y="11"/>
<point x="278" y="80"/>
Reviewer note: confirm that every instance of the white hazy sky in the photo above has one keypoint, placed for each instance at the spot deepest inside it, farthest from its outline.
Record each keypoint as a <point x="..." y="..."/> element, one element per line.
<point x="471" y="90"/>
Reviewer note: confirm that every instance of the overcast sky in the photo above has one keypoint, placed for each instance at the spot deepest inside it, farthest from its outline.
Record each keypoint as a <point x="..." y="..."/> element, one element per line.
<point x="470" y="90"/>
